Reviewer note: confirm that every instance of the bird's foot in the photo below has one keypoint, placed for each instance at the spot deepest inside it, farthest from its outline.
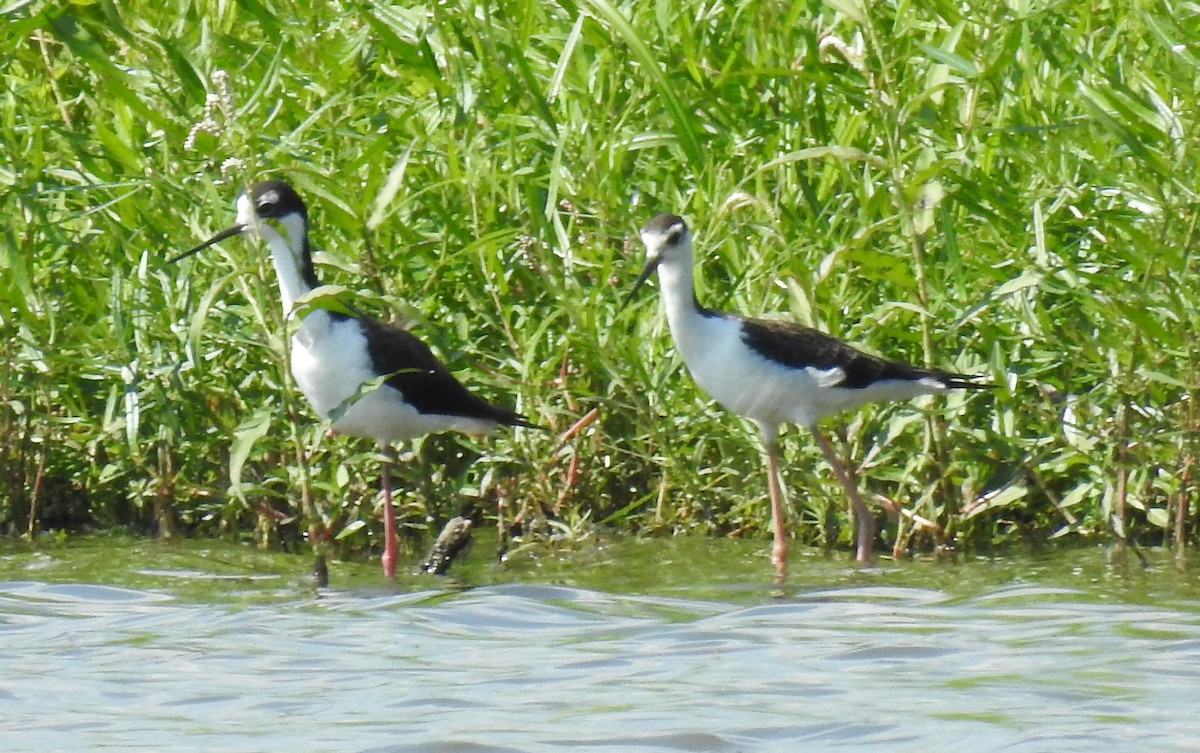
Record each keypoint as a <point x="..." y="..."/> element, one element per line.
<point x="389" y="564"/>
<point x="779" y="559"/>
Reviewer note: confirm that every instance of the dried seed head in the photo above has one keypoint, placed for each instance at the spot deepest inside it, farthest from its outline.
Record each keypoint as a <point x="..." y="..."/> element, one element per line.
<point x="216" y="103"/>
<point x="230" y="165"/>
<point x="852" y="54"/>
<point x="220" y="80"/>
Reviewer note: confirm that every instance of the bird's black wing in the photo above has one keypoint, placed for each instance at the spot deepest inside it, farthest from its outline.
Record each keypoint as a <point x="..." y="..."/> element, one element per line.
<point x="424" y="382"/>
<point x="795" y="345"/>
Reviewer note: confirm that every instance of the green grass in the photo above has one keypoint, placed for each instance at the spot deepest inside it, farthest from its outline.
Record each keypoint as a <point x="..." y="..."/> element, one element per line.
<point x="995" y="189"/>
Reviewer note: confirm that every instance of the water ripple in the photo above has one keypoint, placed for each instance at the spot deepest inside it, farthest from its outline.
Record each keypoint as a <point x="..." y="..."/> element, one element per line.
<point x="538" y="668"/>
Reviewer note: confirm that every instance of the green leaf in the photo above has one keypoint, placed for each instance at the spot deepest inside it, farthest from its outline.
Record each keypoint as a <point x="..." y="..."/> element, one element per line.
<point x="351" y="527"/>
<point x="1129" y="120"/>
<point x="117" y="82"/>
<point x="370" y="385"/>
<point x="247" y="433"/>
<point x="953" y="60"/>
<point x="1172" y="39"/>
<point x="1161" y="378"/>
<point x="925" y="207"/>
<point x="1029" y="278"/>
<point x="853" y="9"/>
<point x="133" y="409"/>
<point x="564" y="59"/>
<point x="651" y="64"/>
<point x="845" y="153"/>
<point x="326" y="297"/>
<point x="391" y="187"/>
<point x="1007" y="496"/>
<point x="200" y="316"/>
<point x="189" y="78"/>
<point x="801" y="305"/>
<point x="118" y="151"/>
<point x="1157" y="516"/>
<point x="1144" y="320"/>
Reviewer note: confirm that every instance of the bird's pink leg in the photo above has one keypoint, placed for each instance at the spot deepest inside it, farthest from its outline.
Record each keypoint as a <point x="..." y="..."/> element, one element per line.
<point x="862" y="516"/>
<point x="778" y="517"/>
<point x="389" y="515"/>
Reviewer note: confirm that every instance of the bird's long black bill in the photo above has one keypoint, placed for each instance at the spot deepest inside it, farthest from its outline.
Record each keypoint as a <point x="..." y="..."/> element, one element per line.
<point x="226" y="233"/>
<point x="647" y="270"/>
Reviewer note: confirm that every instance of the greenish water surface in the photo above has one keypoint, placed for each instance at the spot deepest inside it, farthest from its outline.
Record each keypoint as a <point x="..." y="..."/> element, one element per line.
<point x="690" y="567"/>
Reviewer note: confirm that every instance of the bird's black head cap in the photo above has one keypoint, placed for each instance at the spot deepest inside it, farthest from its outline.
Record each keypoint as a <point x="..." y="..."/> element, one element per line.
<point x="670" y="226"/>
<point x="275" y="198"/>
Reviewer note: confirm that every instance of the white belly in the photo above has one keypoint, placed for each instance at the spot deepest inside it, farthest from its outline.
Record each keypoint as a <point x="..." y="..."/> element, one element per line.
<point x="330" y="364"/>
<point x="766" y="391"/>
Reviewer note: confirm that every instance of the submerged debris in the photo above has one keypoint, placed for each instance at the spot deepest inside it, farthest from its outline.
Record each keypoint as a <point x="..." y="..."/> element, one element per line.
<point x="450" y="543"/>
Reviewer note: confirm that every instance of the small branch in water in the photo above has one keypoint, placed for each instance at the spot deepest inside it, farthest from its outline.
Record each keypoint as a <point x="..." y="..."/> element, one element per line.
<point x="1181" y="509"/>
<point x="572" y="477"/>
<point x="267" y="511"/>
<point x="450" y="543"/>
<point x="1072" y="521"/>
<point x="318" y="537"/>
<point x="573" y="473"/>
<point x="919" y="522"/>
<point x="35" y="491"/>
<point x="320" y="571"/>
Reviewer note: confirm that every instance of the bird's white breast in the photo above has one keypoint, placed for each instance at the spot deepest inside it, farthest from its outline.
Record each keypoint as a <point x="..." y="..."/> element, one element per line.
<point x="330" y="363"/>
<point x="735" y="376"/>
<point x="758" y="388"/>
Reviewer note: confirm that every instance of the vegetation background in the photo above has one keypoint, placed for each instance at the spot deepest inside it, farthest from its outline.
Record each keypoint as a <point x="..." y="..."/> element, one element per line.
<point x="996" y="188"/>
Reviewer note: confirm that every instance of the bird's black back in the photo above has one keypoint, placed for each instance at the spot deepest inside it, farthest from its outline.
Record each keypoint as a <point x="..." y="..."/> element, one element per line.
<point x="425" y="383"/>
<point x="795" y="345"/>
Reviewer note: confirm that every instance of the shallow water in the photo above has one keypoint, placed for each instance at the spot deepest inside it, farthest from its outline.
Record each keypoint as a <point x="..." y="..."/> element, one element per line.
<point x="519" y="667"/>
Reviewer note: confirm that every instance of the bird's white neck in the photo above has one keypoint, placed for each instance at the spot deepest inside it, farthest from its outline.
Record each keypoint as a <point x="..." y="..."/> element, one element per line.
<point x="287" y="254"/>
<point x="679" y="295"/>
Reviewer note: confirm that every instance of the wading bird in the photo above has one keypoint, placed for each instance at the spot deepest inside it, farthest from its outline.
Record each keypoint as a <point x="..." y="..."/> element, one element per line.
<point x="336" y="358"/>
<point x="777" y="371"/>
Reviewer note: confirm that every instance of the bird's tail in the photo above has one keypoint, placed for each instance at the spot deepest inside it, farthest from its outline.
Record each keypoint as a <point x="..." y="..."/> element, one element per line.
<point x="518" y="420"/>
<point x="952" y="381"/>
<point x="508" y="417"/>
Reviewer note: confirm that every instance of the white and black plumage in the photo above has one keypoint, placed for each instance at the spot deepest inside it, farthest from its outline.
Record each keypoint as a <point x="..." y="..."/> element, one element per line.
<point x="334" y="354"/>
<point x="776" y="371"/>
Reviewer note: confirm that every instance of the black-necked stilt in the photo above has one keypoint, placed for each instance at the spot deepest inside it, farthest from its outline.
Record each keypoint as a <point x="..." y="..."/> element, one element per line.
<point x="334" y="354"/>
<point x="776" y="371"/>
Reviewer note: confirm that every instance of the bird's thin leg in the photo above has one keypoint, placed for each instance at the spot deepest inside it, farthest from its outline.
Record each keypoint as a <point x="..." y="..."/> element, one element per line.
<point x="389" y="514"/>
<point x="862" y="516"/>
<point x="778" y="517"/>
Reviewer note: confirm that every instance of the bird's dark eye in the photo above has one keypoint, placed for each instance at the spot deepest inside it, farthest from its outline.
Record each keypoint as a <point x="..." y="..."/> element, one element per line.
<point x="674" y="235"/>
<point x="267" y="205"/>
